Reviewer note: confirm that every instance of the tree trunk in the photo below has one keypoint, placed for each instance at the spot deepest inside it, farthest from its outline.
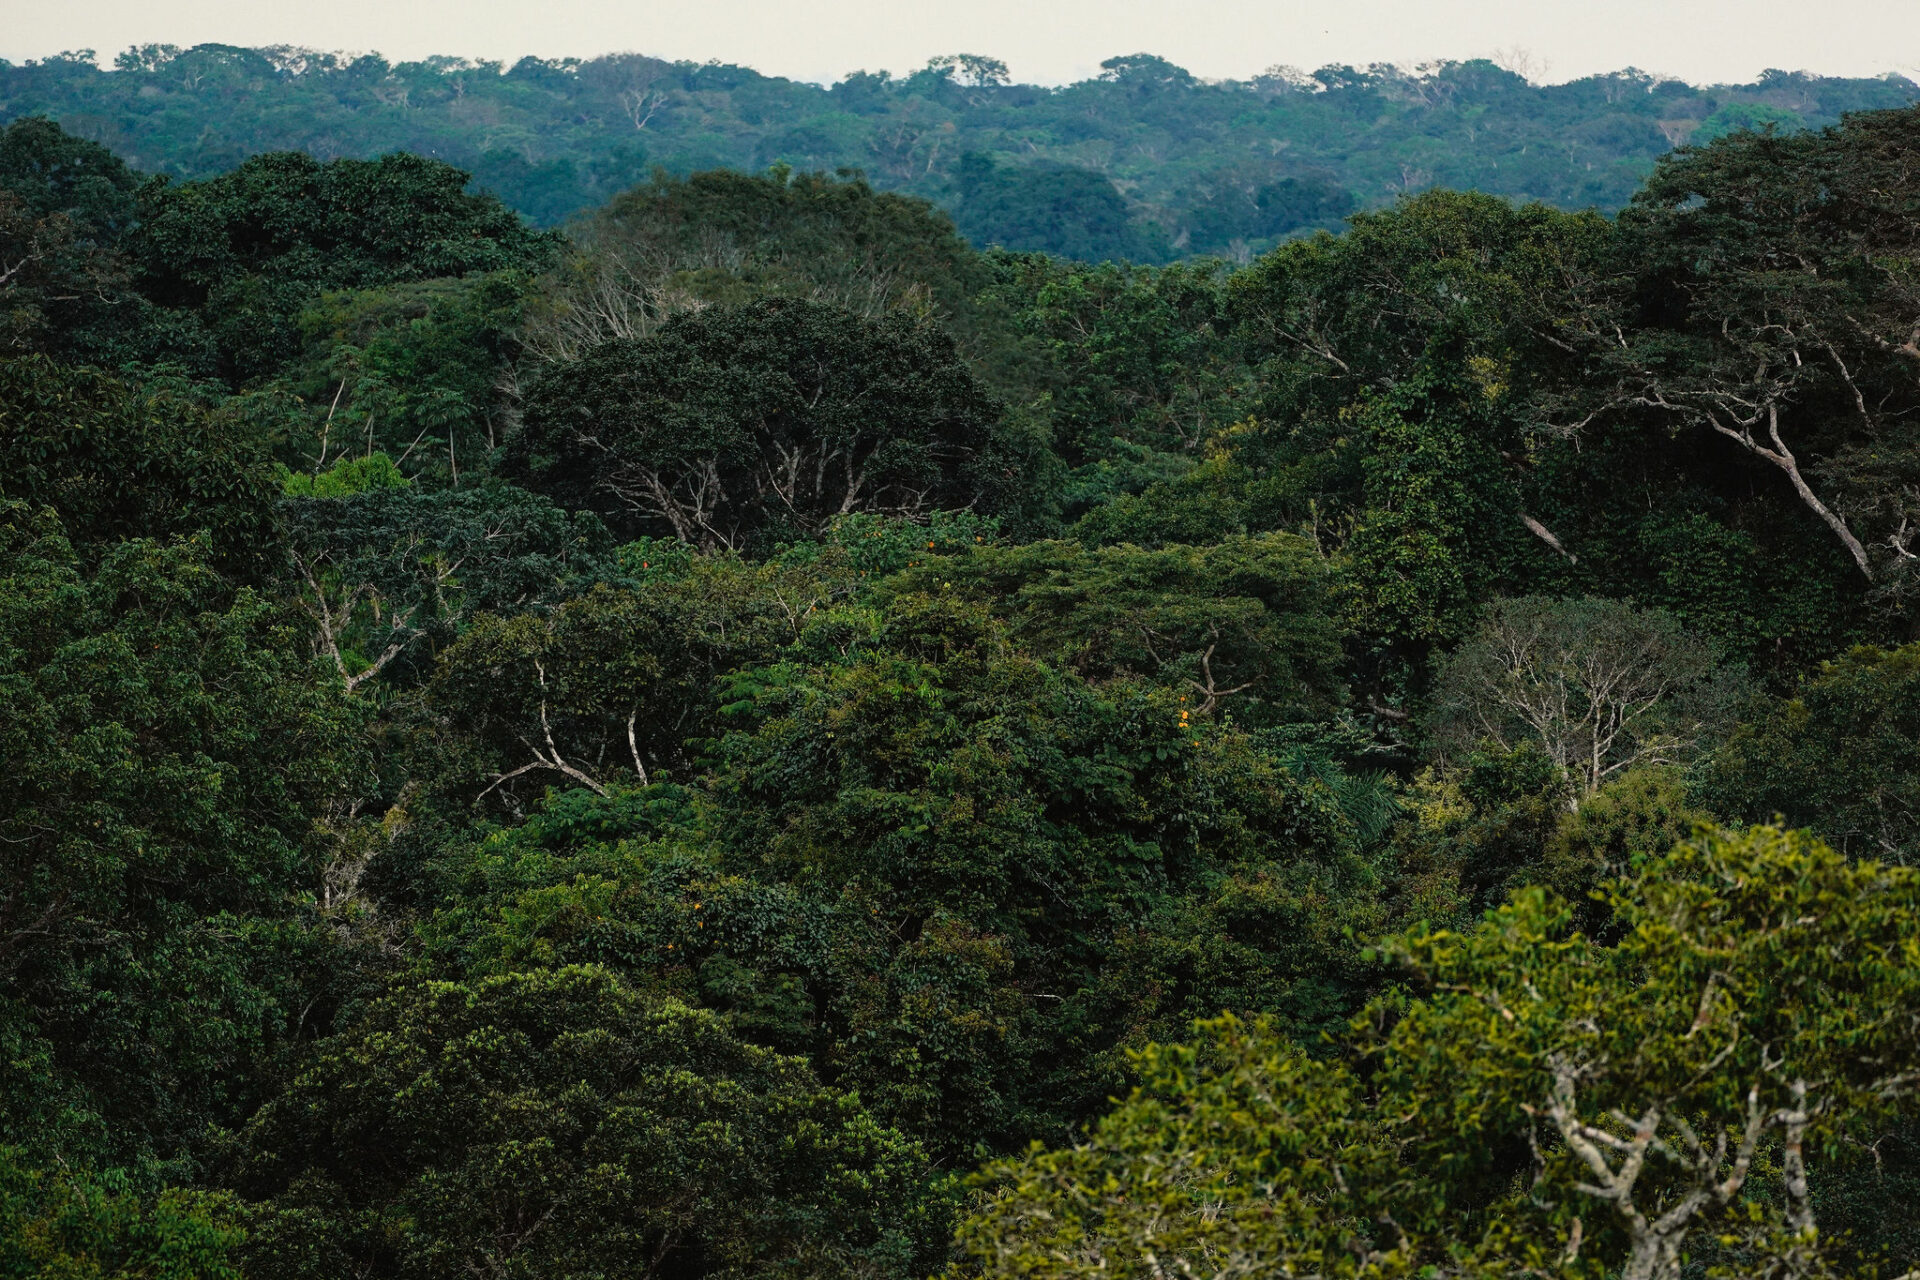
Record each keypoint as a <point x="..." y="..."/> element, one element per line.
<point x="1654" y="1256"/>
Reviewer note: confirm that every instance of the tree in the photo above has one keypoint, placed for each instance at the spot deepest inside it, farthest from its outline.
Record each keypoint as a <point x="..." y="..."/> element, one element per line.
<point x="1443" y="518"/>
<point x="65" y="205"/>
<point x="557" y="136"/>
<point x="970" y="69"/>
<point x="1417" y="380"/>
<point x="558" y="1123"/>
<point x="1758" y="1001"/>
<point x="598" y="685"/>
<point x="1235" y="1157"/>
<point x="1431" y="312"/>
<point x="1141" y="363"/>
<point x="415" y="369"/>
<point x="1637" y="815"/>
<point x="1546" y="1105"/>
<point x="1244" y="627"/>
<point x="47" y="277"/>
<point x="721" y="237"/>
<point x="167" y="756"/>
<point x="250" y="249"/>
<point x="1753" y="117"/>
<point x="118" y="460"/>
<point x="767" y="420"/>
<point x="1046" y="208"/>
<point x="1836" y="757"/>
<point x="58" y="1223"/>
<point x="1091" y="856"/>
<point x="954" y="874"/>
<point x="1598" y="686"/>
<point x="382" y="570"/>
<point x="1763" y="295"/>
<point x="1393" y="362"/>
<point x="53" y="172"/>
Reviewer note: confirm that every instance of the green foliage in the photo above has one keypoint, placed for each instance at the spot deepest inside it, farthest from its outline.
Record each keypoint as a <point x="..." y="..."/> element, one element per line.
<point x="1142" y="867"/>
<point x="1206" y="503"/>
<point x="64" y="204"/>
<point x="1418" y="417"/>
<point x="1243" y="626"/>
<point x="1728" y="1018"/>
<point x="251" y="249"/>
<point x="1759" y="298"/>
<point x="876" y="546"/>
<point x="1836" y="757"/>
<point x="1550" y="1104"/>
<point x="1140" y="371"/>
<point x="956" y="878"/>
<point x="1230" y="1158"/>
<point x="740" y="425"/>
<point x="1392" y="361"/>
<point x="1596" y="686"/>
<point x="466" y="891"/>
<point x="1853" y="1201"/>
<point x="1213" y="166"/>
<point x="1634" y="817"/>
<point x="1044" y="208"/>
<point x="52" y="172"/>
<point x="121" y="461"/>
<point x="1426" y="547"/>
<point x="721" y="238"/>
<point x="345" y="478"/>
<point x="727" y="237"/>
<point x="624" y="673"/>
<point x="383" y="567"/>
<point x="167" y="749"/>
<point x="57" y="1225"/>
<point x="1232" y="217"/>
<point x="557" y="1123"/>
<point x="1754" y="117"/>
<point x="1501" y="821"/>
<point x="414" y="369"/>
<point x="1474" y="834"/>
<point x="941" y="759"/>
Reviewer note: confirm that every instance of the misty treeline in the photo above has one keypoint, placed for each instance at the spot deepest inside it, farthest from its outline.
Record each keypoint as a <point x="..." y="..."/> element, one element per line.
<point x="748" y="737"/>
<point x="1143" y="161"/>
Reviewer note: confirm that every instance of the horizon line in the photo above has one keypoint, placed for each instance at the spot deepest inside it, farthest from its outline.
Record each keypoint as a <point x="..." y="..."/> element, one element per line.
<point x="1297" y="76"/>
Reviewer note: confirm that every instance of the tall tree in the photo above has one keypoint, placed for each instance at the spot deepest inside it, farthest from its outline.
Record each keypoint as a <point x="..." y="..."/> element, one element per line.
<point x="1546" y="1106"/>
<point x="1835" y="756"/>
<point x="557" y="1123"/>
<point x="768" y="420"/>
<point x="1598" y="686"/>
<point x="119" y="460"/>
<point x="251" y="248"/>
<point x="168" y="753"/>
<point x="381" y="571"/>
<point x="66" y="204"/>
<point x="1765" y="295"/>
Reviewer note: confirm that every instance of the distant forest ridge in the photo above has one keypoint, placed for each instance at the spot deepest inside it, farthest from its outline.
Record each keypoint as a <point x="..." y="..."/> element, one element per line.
<point x="1147" y="161"/>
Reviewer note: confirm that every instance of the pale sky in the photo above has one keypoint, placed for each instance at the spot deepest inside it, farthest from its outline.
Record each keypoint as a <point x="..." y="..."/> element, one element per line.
<point x="1042" y="41"/>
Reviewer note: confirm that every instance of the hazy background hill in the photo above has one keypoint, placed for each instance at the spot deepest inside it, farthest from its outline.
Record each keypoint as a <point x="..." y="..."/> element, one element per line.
<point x="1147" y="161"/>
